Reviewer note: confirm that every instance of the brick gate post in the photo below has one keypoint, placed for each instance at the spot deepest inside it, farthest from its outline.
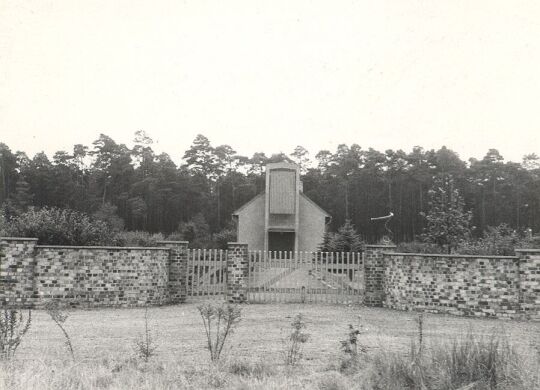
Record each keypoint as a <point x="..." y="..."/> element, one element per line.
<point x="17" y="272"/>
<point x="237" y="272"/>
<point x="529" y="286"/>
<point x="374" y="266"/>
<point x="178" y="267"/>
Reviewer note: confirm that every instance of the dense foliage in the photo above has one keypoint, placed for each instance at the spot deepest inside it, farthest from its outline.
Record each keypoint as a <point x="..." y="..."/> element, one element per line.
<point x="448" y="224"/>
<point x="135" y="188"/>
<point x="59" y="227"/>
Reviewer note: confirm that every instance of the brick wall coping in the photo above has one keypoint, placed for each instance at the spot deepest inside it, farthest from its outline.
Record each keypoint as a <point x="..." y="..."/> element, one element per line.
<point x="17" y="239"/>
<point x="154" y="248"/>
<point x="527" y="250"/>
<point x="380" y="246"/>
<point x="172" y="242"/>
<point x="455" y="256"/>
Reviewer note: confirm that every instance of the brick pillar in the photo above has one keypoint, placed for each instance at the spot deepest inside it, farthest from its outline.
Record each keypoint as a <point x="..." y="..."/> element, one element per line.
<point x="374" y="266"/>
<point x="237" y="272"/>
<point x="529" y="282"/>
<point x="17" y="268"/>
<point x="178" y="259"/>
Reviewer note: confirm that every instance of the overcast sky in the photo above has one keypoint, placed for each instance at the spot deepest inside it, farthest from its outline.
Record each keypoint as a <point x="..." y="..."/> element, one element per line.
<point x="269" y="75"/>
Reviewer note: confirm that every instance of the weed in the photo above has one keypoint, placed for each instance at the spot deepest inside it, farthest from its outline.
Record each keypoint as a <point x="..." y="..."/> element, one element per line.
<point x="469" y="362"/>
<point x="333" y="381"/>
<point x="59" y="317"/>
<point x="295" y="341"/>
<point x="420" y="322"/>
<point x="145" y="346"/>
<point x="13" y="327"/>
<point x="248" y="369"/>
<point x="219" y="323"/>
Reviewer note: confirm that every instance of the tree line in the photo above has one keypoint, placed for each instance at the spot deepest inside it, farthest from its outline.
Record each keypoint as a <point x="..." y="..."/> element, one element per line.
<point x="137" y="189"/>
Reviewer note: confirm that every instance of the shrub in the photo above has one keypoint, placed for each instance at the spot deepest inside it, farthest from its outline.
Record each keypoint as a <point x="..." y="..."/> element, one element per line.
<point x="56" y="226"/>
<point x="219" y="323"/>
<point x="419" y="247"/>
<point x="137" y="238"/>
<point x="447" y="221"/>
<point x="351" y="348"/>
<point x="196" y="231"/>
<point x="225" y="236"/>
<point x="295" y="341"/>
<point x="13" y="327"/>
<point x="59" y="317"/>
<point x="499" y="240"/>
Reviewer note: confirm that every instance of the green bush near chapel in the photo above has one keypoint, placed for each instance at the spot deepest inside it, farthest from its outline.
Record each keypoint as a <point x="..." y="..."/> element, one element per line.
<point x="54" y="226"/>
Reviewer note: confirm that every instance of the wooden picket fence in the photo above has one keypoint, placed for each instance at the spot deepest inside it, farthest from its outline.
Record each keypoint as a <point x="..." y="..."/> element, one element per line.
<point x="325" y="277"/>
<point x="207" y="273"/>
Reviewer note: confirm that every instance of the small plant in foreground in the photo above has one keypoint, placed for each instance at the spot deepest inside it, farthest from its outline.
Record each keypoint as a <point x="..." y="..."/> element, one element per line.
<point x="59" y="317"/>
<point x="351" y="348"/>
<point x="145" y="346"/>
<point x="420" y="322"/>
<point x="219" y="323"/>
<point x="13" y="327"/>
<point x="295" y="341"/>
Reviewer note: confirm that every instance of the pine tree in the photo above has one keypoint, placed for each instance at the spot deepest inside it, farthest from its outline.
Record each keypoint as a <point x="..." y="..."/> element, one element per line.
<point x="345" y="240"/>
<point x="447" y="221"/>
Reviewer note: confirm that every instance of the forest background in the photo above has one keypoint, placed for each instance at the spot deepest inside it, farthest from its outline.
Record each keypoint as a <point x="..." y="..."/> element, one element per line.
<point x="135" y="189"/>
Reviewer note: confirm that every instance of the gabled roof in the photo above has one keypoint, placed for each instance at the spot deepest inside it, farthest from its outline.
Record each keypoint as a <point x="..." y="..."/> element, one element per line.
<point x="314" y="204"/>
<point x="304" y="196"/>
<point x="248" y="203"/>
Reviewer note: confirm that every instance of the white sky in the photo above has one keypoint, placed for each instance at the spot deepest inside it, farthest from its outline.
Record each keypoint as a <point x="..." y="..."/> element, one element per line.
<point x="269" y="75"/>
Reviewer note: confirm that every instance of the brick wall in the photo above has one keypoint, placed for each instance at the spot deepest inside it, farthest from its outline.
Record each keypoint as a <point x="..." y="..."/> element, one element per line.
<point x="493" y="286"/>
<point x="460" y="285"/>
<point x="30" y="274"/>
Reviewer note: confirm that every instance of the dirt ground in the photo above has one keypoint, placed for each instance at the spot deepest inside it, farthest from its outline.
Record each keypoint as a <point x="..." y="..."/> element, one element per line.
<point x="102" y="333"/>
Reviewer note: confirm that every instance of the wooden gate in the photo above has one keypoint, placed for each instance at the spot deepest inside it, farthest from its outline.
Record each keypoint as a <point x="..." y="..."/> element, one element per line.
<point x="207" y="273"/>
<point x="327" y="277"/>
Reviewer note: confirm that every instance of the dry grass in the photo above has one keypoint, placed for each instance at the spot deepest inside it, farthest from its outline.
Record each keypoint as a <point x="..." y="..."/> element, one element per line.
<point x="104" y="339"/>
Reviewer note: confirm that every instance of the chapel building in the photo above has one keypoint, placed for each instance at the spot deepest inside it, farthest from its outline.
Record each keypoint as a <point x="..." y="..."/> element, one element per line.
<point x="282" y="218"/>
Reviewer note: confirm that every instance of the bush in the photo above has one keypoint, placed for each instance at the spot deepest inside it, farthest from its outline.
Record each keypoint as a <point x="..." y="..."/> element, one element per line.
<point x="225" y="236"/>
<point x="13" y="327"/>
<point x="59" y="317"/>
<point x="219" y="323"/>
<point x="351" y="349"/>
<point x="137" y="238"/>
<point x="295" y="341"/>
<point x="56" y="226"/>
<point x="499" y="240"/>
<point x="419" y="247"/>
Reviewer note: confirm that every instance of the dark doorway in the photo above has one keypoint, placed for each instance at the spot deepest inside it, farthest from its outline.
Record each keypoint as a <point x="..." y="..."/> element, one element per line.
<point x="281" y="241"/>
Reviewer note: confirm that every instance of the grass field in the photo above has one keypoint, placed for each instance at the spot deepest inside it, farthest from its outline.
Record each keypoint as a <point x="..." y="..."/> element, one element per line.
<point x="103" y="341"/>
